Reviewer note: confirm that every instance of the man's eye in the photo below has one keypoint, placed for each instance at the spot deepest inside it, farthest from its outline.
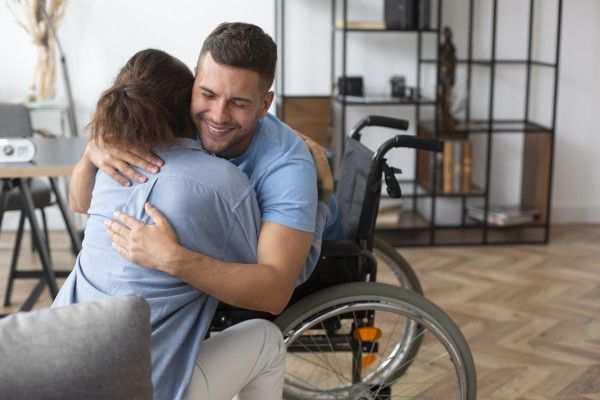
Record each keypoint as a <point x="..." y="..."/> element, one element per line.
<point x="240" y="104"/>
<point x="208" y="95"/>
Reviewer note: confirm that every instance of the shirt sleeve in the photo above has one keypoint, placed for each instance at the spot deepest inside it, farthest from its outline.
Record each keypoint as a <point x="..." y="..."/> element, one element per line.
<point x="288" y="194"/>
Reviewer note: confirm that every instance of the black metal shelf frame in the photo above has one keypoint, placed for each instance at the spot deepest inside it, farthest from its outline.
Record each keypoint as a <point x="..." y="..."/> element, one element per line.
<point x="488" y="127"/>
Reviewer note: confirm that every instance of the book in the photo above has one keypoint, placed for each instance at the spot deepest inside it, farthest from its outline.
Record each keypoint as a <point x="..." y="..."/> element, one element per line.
<point x="504" y="215"/>
<point x="339" y="24"/>
<point x="389" y="217"/>
<point x="457" y="166"/>
<point x="457" y="163"/>
<point x="467" y="168"/>
<point x="447" y="160"/>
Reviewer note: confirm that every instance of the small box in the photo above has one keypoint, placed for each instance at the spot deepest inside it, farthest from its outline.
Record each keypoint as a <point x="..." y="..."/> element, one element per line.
<point x="350" y="86"/>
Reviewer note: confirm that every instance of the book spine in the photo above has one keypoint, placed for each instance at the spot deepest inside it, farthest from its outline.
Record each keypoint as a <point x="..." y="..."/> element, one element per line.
<point x="447" y="167"/>
<point x="457" y="159"/>
<point x="467" y="170"/>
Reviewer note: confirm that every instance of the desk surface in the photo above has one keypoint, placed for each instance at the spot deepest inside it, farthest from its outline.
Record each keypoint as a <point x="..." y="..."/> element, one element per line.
<point x="53" y="157"/>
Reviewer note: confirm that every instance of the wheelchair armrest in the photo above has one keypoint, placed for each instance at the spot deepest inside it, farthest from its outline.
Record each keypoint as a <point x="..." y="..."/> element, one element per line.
<point x="340" y="248"/>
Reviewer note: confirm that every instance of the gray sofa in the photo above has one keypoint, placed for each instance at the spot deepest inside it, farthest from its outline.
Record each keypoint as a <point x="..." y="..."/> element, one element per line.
<point x="96" y="350"/>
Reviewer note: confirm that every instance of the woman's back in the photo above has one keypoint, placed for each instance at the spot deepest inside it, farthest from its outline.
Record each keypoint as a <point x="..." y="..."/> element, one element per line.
<point x="206" y="199"/>
<point x="213" y="209"/>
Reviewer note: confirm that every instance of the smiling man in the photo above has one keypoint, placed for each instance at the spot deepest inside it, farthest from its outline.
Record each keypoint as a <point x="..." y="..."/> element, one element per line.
<point x="230" y="103"/>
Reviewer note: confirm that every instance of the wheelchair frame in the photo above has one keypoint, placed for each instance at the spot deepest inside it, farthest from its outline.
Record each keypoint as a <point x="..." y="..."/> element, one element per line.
<point x="352" y="261"/>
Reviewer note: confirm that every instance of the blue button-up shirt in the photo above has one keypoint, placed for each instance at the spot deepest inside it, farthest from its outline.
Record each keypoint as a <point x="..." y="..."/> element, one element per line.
<point x="213" y="209"/>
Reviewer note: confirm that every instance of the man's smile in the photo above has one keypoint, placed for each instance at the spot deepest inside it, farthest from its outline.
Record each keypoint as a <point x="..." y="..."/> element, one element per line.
<point x="218" y="131"/>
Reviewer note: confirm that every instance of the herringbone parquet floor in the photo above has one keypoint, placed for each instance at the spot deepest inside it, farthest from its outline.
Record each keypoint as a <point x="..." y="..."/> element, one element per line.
<point x="531" y="314"/>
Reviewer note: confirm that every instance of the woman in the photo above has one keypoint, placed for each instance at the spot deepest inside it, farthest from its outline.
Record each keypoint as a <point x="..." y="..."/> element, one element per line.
<point x="213" y="209"/>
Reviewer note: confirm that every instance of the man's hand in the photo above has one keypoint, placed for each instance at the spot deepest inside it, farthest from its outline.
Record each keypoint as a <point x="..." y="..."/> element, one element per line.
<point x="147" y="245"/>
<point x="117" y="163"/>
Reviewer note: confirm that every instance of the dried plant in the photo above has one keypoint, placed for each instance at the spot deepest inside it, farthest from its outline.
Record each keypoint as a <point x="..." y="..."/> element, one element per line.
<point x="30" y="15"/>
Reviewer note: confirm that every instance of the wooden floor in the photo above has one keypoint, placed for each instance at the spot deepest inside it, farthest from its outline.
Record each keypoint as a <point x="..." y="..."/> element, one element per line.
<point x="531" y="314"/>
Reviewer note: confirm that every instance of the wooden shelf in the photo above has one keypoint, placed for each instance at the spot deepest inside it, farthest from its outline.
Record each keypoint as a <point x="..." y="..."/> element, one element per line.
<point x="484" y="62"/>
<point x="382" y="100"/>
<point x="497" y="126"/>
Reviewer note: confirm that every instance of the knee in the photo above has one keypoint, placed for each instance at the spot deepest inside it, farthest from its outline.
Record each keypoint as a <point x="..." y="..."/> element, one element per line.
<point x="272" y="337"/>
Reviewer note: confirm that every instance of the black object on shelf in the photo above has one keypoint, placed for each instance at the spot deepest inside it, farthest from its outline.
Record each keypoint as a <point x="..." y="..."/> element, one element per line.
<point x="407" y="14"/>
<point x="350" y="86"/>
<point x="398" y="86"/>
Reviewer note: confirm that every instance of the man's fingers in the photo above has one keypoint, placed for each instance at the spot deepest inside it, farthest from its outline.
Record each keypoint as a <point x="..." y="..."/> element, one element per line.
<point x="119" y="241"/>
<point x="127" y="170"/>
<point x="156" y="215"/>
<point x="116" y="175"/>
<point x="147" y="159"/>
<point x="128" y="220"/>
<point x="121" y="250"/>
<point x="144" y="160"/>
<point x="115" y="228"/>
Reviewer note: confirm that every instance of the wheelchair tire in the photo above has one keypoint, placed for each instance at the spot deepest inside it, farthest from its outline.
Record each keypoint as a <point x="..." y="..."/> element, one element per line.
<point x="401" y="269"/>
<point x="319" y="332"/>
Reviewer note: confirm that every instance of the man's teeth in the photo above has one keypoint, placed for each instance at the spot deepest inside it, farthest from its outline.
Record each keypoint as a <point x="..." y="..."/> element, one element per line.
<point x="218" y="130"/>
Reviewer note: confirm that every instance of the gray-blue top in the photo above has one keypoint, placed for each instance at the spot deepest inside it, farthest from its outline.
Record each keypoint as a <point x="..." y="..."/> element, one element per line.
<point x="213" y="209"/>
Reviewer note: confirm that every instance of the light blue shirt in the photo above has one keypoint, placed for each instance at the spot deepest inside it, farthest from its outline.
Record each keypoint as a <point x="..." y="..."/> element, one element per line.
<point x="283" y="173"/>
<point x="213" y="209"/>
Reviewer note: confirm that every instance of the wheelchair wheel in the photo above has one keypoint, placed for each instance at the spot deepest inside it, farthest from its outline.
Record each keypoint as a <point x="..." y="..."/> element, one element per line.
<point x="393" y="269"/>
<point x="348" y="342"/>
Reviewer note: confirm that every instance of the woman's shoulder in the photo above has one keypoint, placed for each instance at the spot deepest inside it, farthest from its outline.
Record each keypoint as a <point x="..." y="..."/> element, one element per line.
<point x="203" y="170"/>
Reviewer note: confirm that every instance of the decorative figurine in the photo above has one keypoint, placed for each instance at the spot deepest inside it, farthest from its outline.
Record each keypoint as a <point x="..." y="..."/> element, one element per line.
<point x="446" y="84"/>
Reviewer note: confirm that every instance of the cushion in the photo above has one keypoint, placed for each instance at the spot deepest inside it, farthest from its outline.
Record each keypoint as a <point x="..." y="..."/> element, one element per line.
<point x="97" y="350"/>
<point x="41" y="193"/>
<point x="352" y="185"/>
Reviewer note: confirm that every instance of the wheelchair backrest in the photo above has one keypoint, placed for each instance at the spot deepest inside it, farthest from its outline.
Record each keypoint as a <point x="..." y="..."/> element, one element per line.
<point x="352" y="186"/>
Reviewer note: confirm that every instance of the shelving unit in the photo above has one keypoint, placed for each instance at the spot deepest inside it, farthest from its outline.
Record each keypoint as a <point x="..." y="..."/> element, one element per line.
<point x="420" y="223"/>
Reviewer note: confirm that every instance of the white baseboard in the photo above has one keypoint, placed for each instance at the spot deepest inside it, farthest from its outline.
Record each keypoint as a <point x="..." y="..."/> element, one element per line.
<point x="575" y="215"/>
<point x="55" y="220"/>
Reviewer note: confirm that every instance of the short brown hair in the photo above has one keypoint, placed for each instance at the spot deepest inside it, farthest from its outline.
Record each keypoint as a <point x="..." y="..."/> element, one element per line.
<point x="242" y="45"/>
<point x="148" y="104"/>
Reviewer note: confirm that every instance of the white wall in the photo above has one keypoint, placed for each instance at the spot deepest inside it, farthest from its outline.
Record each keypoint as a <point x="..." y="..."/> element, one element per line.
<point x="100" y="35"/>
<point x="576" y="191"/>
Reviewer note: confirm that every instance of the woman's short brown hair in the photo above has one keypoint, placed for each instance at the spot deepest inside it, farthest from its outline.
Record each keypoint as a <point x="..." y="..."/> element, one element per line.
<point x="148" y="104"/>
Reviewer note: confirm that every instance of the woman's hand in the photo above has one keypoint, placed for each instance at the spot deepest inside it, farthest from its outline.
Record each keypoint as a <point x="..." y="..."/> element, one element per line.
<point x="119" y="163"/>
<point x="152" y="246"/>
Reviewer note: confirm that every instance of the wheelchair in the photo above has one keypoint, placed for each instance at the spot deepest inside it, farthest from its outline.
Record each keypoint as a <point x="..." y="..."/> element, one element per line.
<point x="351" y="337"/>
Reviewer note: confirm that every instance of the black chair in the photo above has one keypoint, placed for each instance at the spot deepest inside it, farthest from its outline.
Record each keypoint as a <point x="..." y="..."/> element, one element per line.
<point x="15" y="122"/>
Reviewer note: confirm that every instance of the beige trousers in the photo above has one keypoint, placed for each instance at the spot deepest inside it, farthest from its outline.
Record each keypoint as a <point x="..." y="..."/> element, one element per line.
<point x="247" y="360"/>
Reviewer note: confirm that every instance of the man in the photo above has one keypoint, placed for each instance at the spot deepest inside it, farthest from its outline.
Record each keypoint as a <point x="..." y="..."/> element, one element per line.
<point x="230" y="101"/>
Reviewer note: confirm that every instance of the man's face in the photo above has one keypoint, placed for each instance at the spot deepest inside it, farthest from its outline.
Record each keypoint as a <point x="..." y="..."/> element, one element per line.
<point x="226" y="105"/>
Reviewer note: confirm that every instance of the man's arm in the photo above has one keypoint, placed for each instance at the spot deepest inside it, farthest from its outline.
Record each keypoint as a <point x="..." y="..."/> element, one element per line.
<point x="112" y="161"/>
<point x="82" y="184"/>
<point x="265" y="286"/>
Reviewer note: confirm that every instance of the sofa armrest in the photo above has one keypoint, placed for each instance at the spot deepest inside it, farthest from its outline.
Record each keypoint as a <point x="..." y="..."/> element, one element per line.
<point x="97" y="350"/>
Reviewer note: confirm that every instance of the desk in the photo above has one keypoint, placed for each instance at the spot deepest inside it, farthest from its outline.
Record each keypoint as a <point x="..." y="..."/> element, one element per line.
<point x="54" y="158"/>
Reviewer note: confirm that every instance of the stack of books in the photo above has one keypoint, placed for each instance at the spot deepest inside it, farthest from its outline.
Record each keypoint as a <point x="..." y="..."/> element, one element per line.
<point x="504" y="215"/>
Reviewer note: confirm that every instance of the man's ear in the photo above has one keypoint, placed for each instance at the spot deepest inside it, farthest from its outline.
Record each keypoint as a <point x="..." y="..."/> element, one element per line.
<point x="266" y="103"/>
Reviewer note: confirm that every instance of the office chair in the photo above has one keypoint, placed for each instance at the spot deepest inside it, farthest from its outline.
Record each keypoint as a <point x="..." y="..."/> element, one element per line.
<point x="15" y="122"/>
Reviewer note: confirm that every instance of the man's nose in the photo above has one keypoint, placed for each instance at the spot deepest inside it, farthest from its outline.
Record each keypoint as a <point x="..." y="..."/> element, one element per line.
<point x="221" y="112"/>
